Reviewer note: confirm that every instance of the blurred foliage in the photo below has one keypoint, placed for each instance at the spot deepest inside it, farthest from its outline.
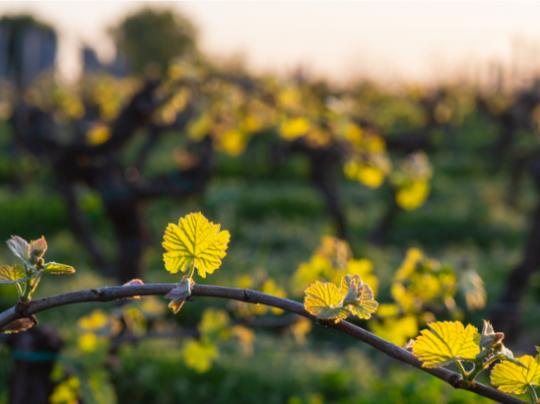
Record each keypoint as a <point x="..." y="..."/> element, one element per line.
<point x="277" y="221"/>
<point x="150" y="38"/>
<point x="15" y="31"/>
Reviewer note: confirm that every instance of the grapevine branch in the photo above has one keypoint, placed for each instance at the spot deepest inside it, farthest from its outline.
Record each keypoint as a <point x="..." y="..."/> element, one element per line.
<point x="250" y="296"/>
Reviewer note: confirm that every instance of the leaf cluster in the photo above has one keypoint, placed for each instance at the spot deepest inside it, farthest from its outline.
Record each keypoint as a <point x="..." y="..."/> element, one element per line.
<point x="26" y="274"/>
<point x="472" y="352"/>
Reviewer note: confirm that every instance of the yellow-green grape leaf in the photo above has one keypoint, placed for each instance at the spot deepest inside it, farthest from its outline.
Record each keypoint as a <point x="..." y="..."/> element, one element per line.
<point x="195" y="241"/>
<point x="364" y="269"/>
<point x="409" y="265"/>
<point x="359" y="299"/>
<point x="12" y="274"/>
<point x="389" y="310"/>
<point x="199" y="356"/>
<point x="325" y="301"/>
<point x="245" y="337"/>
<point x="413" y="195"/>
<point x="300" y="329"/>
<point x="214" y="325"/>
<point x="200" y="127"/>
<point x="98" y="134"/>
<point x="406" y="300"/>
<point x="510" y="377"/>
<point x="397" y="330"/>
<point x="445" y="342"/>
<point x="55" y="268"/>
<point x="271" y="287"/>
<point x="293" y="128"/>
<point x="152" y="307"/>
<point x="66" y="392"/>
<point x="88" y="342"/>
<point x="472" y="287"/>
<point x="369" y="175"/>
<point x="337" y="252"/>
<point x="233" y="142"/>
<point x="95" y="321"/>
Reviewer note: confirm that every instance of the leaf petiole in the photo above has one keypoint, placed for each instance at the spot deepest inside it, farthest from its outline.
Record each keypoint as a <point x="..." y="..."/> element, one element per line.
<point x="462" y="370"/>
<point x="479" y="367"/>
<point x="192" y="271"/>
<point x="533" y="395"/>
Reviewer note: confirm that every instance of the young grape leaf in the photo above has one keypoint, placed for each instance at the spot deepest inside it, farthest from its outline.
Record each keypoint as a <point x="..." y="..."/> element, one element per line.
<point x="199" y="356"/>
<point x="179" y="294"/>
<point x="176" y="305"/>
<point x="271" y="287"/>
<point x="245" y="337"/>
<point x="412" y="195"/>
<point x="66" y="391"/>
<point x="293" y="128"/>
<point x="489" y="337"/>
<point x="473" y="289"/>
<point x="38" y="248"/>
<point x="510" y="377"/>
<point x="214" y="325"/>
<point x="95" y="321"/>
<point x="19" y="325"/>
<point x="12" y="274"/>
<point x="325" y="301"/>
<point x="447" y="341"/>
<point x="134" y="282"/>
<point x="491" y="344"/>
<point x="55" y="268"/>
<point x="195" y="241"/>
<point x="397" y="330"/>
<point x="19" y="247"/>
<point x="359" y="300"/>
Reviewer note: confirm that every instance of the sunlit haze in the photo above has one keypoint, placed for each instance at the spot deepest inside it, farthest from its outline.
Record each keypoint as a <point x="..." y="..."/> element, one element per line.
<point x="391" y="41"/>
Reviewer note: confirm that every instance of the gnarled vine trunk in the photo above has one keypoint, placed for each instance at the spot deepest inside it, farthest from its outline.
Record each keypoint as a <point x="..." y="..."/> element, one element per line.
<point x="34" y="354"/>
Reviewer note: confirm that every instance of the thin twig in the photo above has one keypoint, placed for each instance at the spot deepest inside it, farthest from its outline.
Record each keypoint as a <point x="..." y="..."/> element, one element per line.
<point x="251" y="296"/>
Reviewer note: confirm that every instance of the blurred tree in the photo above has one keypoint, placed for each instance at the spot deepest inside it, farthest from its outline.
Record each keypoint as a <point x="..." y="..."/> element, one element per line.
<point x="106" y="168"/>
<point x="151" y="38"/>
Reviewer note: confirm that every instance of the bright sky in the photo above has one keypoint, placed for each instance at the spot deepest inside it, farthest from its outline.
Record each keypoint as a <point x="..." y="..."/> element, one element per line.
<point x="391" y="40"/>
